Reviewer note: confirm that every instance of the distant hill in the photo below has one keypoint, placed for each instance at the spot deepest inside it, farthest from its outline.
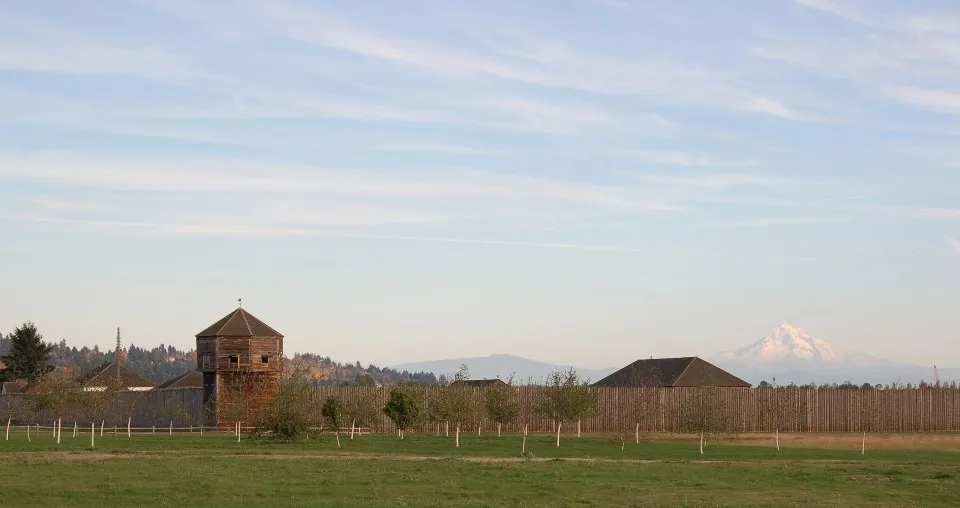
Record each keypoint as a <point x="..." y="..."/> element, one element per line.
<point x="790" y="355"/>
<point x="325" y="371"/>
<point x="523" y="370"/>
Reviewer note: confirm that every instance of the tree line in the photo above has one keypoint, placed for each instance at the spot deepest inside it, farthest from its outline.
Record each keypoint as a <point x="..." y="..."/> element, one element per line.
<point x="26" y="355"/>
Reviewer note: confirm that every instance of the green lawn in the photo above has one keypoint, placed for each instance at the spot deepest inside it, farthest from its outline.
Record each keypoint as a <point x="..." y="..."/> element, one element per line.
<point x="215" y="470"/>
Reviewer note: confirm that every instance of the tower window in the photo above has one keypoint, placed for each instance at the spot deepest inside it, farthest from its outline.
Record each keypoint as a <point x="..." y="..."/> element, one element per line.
<point x="264" y="358"/>
<point x="206" y="361"/>
<point x="235" y="360"/>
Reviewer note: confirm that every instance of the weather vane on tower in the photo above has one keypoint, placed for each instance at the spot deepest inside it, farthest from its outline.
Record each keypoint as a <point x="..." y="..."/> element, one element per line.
<point x="239" y="303"/>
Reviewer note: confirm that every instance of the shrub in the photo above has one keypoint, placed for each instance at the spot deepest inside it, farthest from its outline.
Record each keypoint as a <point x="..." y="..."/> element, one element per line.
<point x="288" y="416"/>
<point x="402" y="408"/>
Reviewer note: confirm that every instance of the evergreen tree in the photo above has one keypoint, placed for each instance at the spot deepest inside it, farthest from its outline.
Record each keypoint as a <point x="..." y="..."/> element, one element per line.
<point x="28" y="354"/>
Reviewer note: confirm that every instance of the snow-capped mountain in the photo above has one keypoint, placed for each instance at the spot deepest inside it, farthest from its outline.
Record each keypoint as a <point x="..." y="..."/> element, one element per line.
<point x="789" y="355"/>
<point x="789" y="346"/>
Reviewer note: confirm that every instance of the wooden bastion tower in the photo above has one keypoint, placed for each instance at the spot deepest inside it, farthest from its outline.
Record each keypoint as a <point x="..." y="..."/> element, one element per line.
<point x="241" y="359"/>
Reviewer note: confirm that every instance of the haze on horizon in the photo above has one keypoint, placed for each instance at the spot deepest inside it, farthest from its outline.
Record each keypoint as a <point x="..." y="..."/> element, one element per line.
<point x="586" y="182"/>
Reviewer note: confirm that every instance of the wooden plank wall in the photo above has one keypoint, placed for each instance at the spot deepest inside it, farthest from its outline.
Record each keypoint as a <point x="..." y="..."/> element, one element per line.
<point x="182" y="406"/>
<point x="754" y="409"/>
<point x="621" y="409"/>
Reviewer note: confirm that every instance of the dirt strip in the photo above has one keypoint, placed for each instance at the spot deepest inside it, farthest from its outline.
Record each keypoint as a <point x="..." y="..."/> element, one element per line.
<point x="94" y="456"/>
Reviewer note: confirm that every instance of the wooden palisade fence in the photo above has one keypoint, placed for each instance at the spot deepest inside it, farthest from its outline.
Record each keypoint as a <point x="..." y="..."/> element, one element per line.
<point x="928" y="409"/>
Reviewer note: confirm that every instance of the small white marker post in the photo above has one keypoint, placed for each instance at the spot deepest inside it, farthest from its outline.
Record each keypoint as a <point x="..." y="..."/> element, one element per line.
<point x="102" y="423"/>
<point x="523" y="450"/>
<point x="171" y="427"/>
<point x="74" y="429"/>
<point x="128" y="426"/>
<point x="637" y="433"/>
<point x="59" y="429"/>
<point x="479" y="427"/>
<point x="458" y="434"/>
<point x="93" y="432"/>
<point x="28" y="432"/>
<point x="8" y="429"/>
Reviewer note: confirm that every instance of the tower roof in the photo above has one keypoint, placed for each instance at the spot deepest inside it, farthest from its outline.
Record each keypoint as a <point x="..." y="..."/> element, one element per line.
<point x="239" y="323"/>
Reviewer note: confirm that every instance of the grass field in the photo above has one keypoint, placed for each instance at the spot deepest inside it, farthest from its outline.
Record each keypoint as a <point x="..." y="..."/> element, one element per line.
<point x="380" y="470"/>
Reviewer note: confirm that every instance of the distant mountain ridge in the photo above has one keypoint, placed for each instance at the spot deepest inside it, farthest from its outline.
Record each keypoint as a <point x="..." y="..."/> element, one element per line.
<point x="790" y="355"/>
<point x="503" y="366"/>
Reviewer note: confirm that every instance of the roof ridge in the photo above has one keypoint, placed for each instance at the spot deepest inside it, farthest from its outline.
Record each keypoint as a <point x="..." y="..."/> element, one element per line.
<point x="693" y="360"/>
<point x="246" y="322"/>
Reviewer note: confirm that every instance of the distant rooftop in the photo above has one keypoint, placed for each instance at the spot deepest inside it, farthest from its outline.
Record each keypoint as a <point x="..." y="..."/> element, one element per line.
<point x="672" y="372"/>
<point x="239" y="323"/>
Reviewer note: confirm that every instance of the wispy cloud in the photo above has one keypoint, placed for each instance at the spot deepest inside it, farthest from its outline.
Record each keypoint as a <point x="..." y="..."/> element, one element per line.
<point x="935" y="100"/>
<point x="787" y="221"/>
<point x="431" y="148"/>
<point x="842" y="8"/>
<point x="672" y="158"/>
<point x="721" y="180"/>
<point x="954" y="244"/>
<point x="244" y="230"/>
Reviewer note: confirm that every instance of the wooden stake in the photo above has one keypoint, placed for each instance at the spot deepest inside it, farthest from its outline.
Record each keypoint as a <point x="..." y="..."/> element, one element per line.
<point x="171" y="427"/>
<point x="559" y="424"/>
<point x="498" y="430"/>
<point x="863" y="444"/>
<point x="458" y="434"/>
<point x="337" y="433"/>
<point x="74" y="429"/>
<point x="102" y="423"/>
<point x="154" y="429"/>
<point x="446" y="426"/>
<point x="701" y="443"/>
<point x="59" y="429"/>
<point x="637" y="434"/>
<point x="238" y="431"/>
<point x="353" y="425"/>
<point x="128" y="426"/>
<point x="523" y="451"/>
<point x="8" y="429"/>
<point x="778" y="440"/>
<point x="93" y="432"/>
<point x="479" y="427"/>
<point x="28" y="432"/>
<point x="578" y="428"/>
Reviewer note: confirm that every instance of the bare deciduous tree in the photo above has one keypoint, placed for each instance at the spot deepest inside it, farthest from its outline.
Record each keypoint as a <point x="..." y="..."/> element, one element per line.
<point x="500" y="402"/>
<point x="362" y="409"/>
<point x="704" y="414"/>
<point x="566" y="398"/>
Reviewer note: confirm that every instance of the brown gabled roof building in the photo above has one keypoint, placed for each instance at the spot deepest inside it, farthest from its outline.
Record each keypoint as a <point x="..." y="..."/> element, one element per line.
<point x="189" y="380"/>
<point x="479" y="383"/>
<point x="114" y="376"/>
<point x="688" y="371"/>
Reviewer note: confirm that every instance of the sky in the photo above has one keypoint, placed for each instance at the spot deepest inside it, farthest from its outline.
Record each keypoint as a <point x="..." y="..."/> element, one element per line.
<point x="582" y="182"/>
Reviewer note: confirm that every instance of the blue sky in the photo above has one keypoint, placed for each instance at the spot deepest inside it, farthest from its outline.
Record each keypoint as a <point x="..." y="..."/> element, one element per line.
<point x="586" y="181"/>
